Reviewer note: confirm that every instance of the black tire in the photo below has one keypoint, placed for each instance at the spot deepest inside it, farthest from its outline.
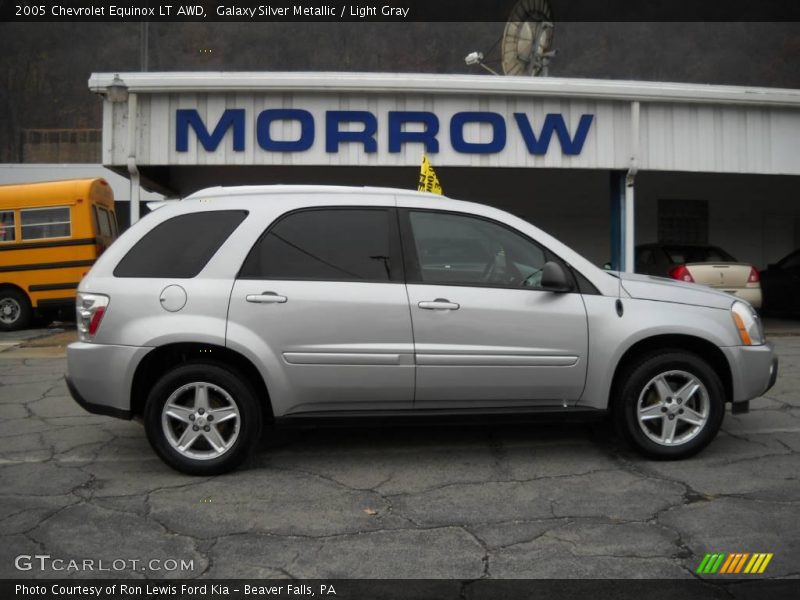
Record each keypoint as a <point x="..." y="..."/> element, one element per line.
<point x="222" y="380"/>
<point x="639" y="378"/>
<point x="15" y="310"/>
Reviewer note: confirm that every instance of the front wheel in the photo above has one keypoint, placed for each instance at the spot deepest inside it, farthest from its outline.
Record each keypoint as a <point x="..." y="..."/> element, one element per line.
<point x="671" y="404"/>
<point x="202" y="419"/>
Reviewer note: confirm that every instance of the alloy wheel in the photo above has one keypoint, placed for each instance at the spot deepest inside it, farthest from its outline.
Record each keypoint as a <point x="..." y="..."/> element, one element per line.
<point x="201" y="420"/>
<point x="673" y="408"/>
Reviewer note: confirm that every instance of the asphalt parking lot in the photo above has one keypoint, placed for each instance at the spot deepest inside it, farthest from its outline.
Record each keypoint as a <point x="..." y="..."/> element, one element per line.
<point x="503" y="501"/>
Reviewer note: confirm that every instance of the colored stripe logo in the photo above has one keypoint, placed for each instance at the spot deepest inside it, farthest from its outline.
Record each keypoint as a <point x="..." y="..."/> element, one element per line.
<point x="723" y="563"/>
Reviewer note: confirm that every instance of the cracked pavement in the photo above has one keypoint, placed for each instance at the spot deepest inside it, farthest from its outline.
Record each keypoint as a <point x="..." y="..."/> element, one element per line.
<point x="521" y="501"/>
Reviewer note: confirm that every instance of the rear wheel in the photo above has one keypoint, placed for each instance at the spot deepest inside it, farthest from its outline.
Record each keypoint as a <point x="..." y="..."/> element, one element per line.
<point x="15" y="310"/>
<point x="671" y="404"/>
<point x="202" y="418"/>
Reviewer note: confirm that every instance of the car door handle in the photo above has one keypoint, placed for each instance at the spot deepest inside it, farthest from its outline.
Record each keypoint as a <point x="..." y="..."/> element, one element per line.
<point x="266" y="298"/>
<point x="439" y="304"/>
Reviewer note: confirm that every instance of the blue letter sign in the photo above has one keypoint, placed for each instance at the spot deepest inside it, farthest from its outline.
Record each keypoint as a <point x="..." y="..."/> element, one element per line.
<point x="398" y="137"/>
<point x="553" y="122"/>
<point x="184" y="117"/>
<point x="365" y="129"/>
<point x="333" y="136"/>
<point x="497" y="122"/>
<point x="306" y="120"/>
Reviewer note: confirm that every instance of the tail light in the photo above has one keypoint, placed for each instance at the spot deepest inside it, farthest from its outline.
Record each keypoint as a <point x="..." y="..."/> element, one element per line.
<point x="90" y="311"/>
<point x="753" y="277"/>
<point x="681" y="273"/>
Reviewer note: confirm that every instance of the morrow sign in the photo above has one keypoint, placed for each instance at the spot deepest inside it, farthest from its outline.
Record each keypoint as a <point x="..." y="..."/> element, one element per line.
<point x="361" y="127"/>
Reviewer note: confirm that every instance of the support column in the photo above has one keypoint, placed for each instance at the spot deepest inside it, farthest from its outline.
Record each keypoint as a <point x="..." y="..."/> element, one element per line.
<point x="629" y="259"/>
<point x="629" y="255"/>
<point x="133" y="169"/>
<point x="618" y="220"/>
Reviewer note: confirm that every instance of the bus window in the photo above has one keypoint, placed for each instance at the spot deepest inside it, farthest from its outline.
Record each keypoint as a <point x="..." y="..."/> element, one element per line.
<point x="105" y="223"/>
<point x="7" y="233"/>
<point x="38" y="223"/>
<point x="102" y="222"/>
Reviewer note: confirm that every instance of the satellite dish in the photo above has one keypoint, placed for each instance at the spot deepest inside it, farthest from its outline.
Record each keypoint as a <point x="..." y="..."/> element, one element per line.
<point x="527" y="39"/>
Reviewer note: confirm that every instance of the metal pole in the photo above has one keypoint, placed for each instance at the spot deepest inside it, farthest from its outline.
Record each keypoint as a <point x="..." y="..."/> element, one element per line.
<point x="133" y="170"/>
<point x="629" y="189"/>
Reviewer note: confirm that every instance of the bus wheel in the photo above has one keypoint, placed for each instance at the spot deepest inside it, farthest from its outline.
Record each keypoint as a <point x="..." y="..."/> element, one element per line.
<point x="15" y="310"/>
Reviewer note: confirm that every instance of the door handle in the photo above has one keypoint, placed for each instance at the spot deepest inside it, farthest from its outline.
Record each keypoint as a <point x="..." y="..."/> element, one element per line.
<point x="439" y="304"/>
<point x="266" y="298"/>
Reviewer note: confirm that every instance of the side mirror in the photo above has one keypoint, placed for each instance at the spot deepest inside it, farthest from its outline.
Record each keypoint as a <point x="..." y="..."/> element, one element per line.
<point x="607" y="266"/>
<point x="555" y="278"/>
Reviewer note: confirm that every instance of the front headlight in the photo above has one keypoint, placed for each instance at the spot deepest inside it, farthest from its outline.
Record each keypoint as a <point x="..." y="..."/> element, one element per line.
<point x="747" y="324"/>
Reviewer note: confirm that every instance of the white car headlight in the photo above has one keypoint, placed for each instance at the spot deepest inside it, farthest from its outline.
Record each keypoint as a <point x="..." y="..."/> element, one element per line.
<point x="747" y="324"/>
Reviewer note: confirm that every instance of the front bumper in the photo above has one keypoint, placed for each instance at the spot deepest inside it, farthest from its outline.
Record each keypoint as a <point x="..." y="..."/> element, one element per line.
<point x="754" y="370"/>
<point x="773" y="375"/>
<point x="100" y="376"/>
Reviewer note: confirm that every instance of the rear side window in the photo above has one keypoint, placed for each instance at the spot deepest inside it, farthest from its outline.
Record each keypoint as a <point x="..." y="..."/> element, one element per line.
<point x="181" y="246"/>
<point x="328" y="245"/>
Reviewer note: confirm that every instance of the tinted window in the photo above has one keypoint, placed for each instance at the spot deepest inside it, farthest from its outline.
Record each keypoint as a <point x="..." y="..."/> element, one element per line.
<point x="38" y="223"/>
<point x="459" y="249"/>
<point x="326" y="244"/>
<point x="181" y="246"/>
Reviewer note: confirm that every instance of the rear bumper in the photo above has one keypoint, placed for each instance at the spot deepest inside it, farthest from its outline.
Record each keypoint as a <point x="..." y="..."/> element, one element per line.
<point x="98" y="409"/>
<point x="754" y="370"/>
<point x="100" y="376"/>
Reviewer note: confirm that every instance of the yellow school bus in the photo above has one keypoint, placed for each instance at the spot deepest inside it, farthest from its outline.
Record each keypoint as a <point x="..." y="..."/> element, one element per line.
<point x="50" y="235"/>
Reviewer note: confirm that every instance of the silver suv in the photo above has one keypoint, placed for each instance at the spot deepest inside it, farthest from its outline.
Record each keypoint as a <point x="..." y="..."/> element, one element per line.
<point x="240" y="308"/>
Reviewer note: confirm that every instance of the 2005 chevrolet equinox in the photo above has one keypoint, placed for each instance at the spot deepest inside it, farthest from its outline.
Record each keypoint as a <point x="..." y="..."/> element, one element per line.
<point x="238" y="308"/>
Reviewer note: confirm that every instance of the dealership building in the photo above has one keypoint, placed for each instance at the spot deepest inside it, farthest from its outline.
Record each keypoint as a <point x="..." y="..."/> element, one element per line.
<point x="601" y="164"/>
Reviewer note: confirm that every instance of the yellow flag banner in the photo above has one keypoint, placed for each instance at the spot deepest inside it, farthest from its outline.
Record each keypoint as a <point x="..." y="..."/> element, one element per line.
<point x="428" y="181"/>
